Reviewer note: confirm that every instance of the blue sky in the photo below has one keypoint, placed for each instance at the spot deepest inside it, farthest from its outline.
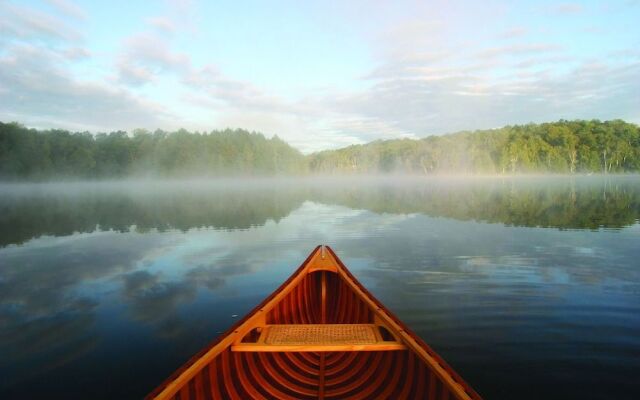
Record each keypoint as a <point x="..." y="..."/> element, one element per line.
<point x="318" y="74"/>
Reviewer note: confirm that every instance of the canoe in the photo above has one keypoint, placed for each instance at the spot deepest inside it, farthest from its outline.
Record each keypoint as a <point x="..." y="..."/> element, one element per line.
<point x="320" y="335"/>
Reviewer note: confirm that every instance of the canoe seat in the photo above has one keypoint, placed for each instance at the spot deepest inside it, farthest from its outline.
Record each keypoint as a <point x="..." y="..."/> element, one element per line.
<point x="319" y="338"/>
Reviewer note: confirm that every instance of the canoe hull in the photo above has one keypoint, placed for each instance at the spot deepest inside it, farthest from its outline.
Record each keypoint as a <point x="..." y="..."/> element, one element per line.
<point x="242" y="364"/>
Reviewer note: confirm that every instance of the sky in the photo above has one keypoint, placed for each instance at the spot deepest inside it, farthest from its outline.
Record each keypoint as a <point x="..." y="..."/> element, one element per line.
<point x="320" y="75"/>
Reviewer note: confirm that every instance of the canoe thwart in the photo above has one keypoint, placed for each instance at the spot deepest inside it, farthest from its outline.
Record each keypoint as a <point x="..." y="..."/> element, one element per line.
<point x="319" y="338"/>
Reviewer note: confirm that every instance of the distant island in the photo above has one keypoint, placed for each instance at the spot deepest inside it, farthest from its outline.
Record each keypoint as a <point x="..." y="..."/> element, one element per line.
<point x="558" y="147"/>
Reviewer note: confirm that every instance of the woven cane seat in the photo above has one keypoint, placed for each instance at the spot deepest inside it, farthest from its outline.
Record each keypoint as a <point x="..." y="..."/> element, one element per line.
<point x="320" y="334"/>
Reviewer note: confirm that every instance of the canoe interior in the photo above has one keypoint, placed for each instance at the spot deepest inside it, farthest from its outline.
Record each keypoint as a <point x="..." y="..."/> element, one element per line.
<point x="321" y="291"/>
<point x="303" y="305"/>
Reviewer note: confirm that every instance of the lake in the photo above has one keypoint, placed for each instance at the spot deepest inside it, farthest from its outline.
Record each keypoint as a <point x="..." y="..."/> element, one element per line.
<point x="529" y="287"/>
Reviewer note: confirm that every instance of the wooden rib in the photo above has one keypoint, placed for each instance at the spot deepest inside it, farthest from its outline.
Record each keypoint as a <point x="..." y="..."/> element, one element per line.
<point x="244" y="380"/>
<point x="301" y="363"/>
<point x="348" y="369"/>
<point x="184" y="392"/>
<point x="393" y="384"/>
<point x="309" y="374"/>
<point x="299" y="310"/>
<point x="410" y="369"/>
<point x="341" y="310"/>
<point x="215" y="383"/>
<point x="421" y="383"/>
<point x="371" y="387"/>
<point x="310" y="358"/>
<point x="206" y="384"/>
<point x="324" y="297"/>
<point x="321" y="373"/>
<point x="280" y="361"/>
<point x="226" y="373"/>
<point x="199" y="390"/>
<point x="264" y="383"/>
<point x="363" y="377"/>
<point x="284" y="380"/>
<point x="335" y="367"/>
<point x="432" y="385"/>
<point x="420" y="386"/>
<point x="347" y="375"/>
<point x="306" y="301"/>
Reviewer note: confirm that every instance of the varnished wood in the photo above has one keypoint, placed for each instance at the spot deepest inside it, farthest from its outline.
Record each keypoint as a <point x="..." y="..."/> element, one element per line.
<point x="242" y="364"/>
<point x="322" y="341"/>
<point x="324" y="297"/>
<point x="321" y="377"/>
<point x="317" y="348"/>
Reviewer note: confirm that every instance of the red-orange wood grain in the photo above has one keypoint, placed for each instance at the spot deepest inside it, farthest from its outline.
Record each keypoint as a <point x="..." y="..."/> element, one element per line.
<point x="321" y="296"/>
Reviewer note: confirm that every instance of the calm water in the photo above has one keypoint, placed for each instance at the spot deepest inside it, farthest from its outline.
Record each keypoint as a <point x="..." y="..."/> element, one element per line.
<point x="530" y="288"/>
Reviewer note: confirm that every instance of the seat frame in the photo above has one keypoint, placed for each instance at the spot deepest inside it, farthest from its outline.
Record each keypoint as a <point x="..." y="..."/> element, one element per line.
<point x="318" y="338"/>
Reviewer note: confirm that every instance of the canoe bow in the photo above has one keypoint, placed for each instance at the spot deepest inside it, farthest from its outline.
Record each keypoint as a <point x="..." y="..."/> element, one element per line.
<point x="321" y="334"/>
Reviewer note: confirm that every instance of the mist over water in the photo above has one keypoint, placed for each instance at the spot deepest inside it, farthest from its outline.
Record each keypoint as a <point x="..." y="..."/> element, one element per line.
<point x="583" y="202"/>
<point x="527" y="285"/>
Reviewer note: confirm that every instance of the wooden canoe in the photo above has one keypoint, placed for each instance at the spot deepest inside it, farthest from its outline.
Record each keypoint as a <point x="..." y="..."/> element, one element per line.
<point x="321" y="335"/>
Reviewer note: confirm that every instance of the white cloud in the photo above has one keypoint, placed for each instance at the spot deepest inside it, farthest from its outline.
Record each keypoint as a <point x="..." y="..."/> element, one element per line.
<point x="425" y="106"/>
<point x="69" y="8"/>
<point x="163" y="24"/>
<point x="238" y="94"/>
<point x="76" y="53"/>
<point x="38" y="90"/>
<point x="18" y="22"/>
<point x="519" y="49"/>
<point x="564" y="9"/>
<point x="513" y="33"/>
<point x="146" y="56"/>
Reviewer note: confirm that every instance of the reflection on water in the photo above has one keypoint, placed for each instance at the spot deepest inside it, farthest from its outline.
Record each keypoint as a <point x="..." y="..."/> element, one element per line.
<point x="107" y="288"/>
<point x="30" y="211"/>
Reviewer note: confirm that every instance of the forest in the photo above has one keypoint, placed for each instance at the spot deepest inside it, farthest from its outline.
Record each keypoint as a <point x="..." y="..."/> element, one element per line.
<point x="558" y="147"/>
<point x="29" y="153"/>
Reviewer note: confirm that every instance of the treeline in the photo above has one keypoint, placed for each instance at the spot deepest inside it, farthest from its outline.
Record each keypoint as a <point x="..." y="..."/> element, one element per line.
<point x="559" y="147"/>
<point x="29" y="153"/>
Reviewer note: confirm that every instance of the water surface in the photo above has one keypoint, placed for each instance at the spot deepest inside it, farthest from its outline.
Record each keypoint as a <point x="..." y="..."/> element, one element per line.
<point x="529" y="287"/>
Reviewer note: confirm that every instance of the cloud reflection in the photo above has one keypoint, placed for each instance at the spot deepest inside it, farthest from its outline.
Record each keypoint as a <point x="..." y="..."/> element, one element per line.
<point x="47" y="312"/>
<point x="63" y="299"/>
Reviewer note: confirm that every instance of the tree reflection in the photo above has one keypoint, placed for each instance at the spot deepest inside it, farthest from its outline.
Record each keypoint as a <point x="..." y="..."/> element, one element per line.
<point x="565" y="203"/>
